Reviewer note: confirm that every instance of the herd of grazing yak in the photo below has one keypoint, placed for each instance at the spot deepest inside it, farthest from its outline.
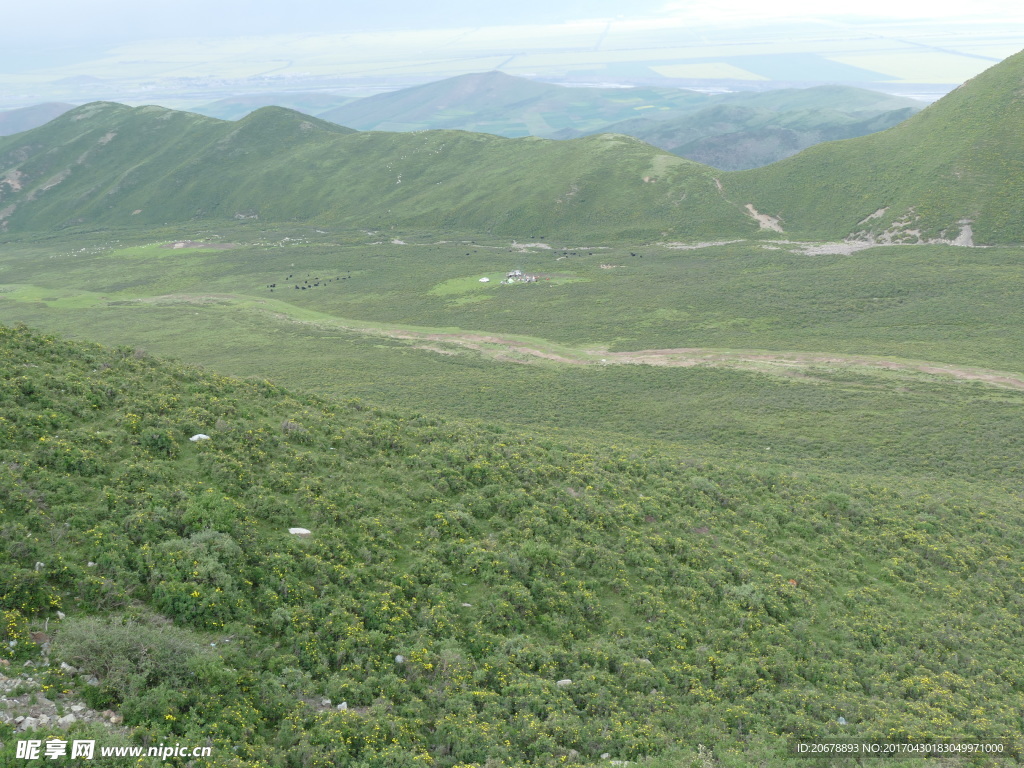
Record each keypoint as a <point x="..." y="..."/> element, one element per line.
<point x="309" y="283"/>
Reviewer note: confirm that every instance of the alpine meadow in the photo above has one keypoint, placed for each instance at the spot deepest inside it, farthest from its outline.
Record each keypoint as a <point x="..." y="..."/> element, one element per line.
<point x="323" y="446"/>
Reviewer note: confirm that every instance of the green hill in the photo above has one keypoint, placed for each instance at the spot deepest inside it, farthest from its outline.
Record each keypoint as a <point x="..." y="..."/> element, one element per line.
<point x="106" y="164"/>
<point x="957" y="164"/>
<point x="474" y="595"/>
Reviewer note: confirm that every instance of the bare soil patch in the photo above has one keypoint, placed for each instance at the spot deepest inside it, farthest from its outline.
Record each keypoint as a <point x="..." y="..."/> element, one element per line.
<point x="197" y="244"/>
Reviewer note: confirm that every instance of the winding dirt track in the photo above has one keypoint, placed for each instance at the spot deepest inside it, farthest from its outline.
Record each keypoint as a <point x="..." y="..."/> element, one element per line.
<point x="506" y="349"/>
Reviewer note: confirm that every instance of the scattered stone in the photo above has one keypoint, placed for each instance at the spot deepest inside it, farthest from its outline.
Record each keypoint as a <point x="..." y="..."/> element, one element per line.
<point x="67" y="720"/>
<point x="343" y="706"/>
<point x="77" y="707"/>
<point x="92" y="680"/>
<point x="116" y="720"/>
<point x="107" y="714"/>
<point x="325" y="702"/>
<point x="27" y="723"/>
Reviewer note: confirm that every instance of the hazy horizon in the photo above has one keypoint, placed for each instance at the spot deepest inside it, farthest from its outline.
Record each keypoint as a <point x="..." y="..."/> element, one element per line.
<point x="193" y="52"/>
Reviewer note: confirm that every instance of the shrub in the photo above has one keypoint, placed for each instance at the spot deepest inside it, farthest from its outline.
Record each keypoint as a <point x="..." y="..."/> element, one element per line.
<point x="127" y="655"/>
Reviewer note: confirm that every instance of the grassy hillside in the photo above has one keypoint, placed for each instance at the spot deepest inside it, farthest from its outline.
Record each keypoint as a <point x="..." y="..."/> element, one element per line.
<point x="105" y="164"/>
<point x="959" y="162"/>
<point x="474" y="595"/>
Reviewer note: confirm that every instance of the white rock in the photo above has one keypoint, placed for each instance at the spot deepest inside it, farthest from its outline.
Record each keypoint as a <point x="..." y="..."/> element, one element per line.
<point x="399" y="659"/>
<point x="40" y="566"/>
<point x="302" y="533"/>
<point x="563" y="683"/>
<point x="343" y="706"/>
<point x="197" y="438"/>
<point x="605" y="755"/>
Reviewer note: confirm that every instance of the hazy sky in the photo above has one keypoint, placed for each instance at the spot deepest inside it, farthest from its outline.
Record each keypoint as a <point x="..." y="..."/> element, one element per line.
<point x="50" y="41"/>
<point x="63" y="21"/>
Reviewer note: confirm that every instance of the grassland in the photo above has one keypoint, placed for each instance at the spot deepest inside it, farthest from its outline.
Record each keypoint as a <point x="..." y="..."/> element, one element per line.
<point x="789" y="372"/>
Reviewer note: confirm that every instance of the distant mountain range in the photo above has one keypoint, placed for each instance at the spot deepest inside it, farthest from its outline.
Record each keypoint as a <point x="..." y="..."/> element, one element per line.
<point x="728" y="131"/>
<point x="955" y="170"/>
<point x="26" y="118"/>
<point x="493" y="102"/>
<point x="237" y="107"/>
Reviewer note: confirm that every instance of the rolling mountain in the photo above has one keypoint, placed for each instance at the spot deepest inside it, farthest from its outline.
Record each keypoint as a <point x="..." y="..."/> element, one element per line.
<point x="954" y="170"/>
<point x="107" y="164"/>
